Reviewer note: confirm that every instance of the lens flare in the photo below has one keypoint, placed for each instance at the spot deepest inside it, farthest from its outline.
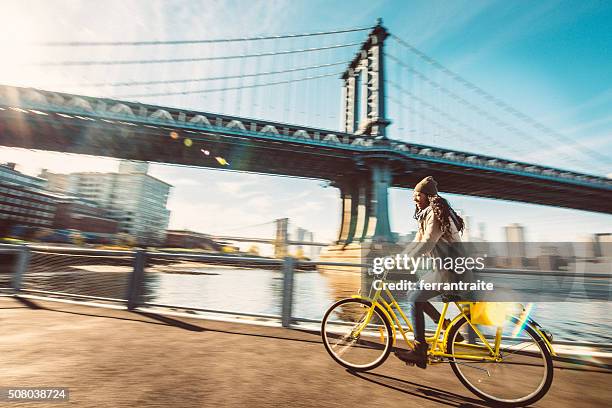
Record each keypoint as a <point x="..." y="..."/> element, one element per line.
<point x="523" y="319"/>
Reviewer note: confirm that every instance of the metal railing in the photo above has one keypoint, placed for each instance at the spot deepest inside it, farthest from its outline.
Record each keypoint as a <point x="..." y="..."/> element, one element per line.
<point x="133" y="297"/>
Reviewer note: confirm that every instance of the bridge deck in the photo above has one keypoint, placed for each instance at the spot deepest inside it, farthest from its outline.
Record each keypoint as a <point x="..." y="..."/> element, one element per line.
<point x="43" y="120"/>
<point x="113" y="358"/>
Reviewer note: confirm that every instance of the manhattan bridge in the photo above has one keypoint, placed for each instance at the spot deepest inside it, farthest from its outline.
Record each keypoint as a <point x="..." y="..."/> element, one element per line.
<point x="262" y="104"/>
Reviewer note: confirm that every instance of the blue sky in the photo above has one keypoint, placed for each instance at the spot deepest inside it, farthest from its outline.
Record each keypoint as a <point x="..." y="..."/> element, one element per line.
<point x="549" y="59"/>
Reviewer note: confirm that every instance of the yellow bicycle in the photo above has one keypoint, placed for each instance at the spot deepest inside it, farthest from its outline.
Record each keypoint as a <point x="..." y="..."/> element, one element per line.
<point x="507" y="361"/>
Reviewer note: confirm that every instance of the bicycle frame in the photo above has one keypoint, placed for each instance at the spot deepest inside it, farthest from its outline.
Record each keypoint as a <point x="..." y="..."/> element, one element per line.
<point x="496" y="332"/>
<point x="437" y="346"/>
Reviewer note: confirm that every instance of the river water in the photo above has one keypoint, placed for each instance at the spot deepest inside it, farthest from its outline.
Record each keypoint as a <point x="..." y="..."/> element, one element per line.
<point x="228" y="288"/>
<point x="260" y="291"/>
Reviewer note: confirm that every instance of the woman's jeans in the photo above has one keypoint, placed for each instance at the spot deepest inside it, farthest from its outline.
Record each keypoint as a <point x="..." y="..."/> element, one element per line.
<point x="420" y="305"/>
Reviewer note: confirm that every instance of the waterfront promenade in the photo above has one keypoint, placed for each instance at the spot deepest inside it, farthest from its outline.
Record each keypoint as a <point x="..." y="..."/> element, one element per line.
<point x="115" y="358"/>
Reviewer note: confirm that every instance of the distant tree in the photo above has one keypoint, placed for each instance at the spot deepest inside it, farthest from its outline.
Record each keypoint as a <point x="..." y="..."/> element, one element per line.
<point x="41" y="233"/>
<point x="227" y="249"/>
<point x="77" y="238"/>
<point x="299" y="254"/>
<point x="125" y="239"/>
<point x="253" y="250"/>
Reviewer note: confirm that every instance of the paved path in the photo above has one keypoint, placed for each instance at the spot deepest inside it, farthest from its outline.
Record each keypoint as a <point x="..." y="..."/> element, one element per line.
<point x="114" y="358"/>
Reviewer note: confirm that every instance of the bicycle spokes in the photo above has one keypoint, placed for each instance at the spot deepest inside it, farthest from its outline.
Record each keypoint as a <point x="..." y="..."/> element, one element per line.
<point x="356" y="334"/>
<point x="503" y="367"/>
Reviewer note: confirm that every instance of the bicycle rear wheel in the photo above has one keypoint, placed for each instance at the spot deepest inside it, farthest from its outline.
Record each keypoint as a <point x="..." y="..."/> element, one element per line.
<point x="356" y="334"/>
<point x="522" y="375"/>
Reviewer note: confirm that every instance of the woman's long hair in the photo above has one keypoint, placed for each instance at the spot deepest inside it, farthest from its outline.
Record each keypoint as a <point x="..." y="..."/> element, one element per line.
<point x="443" y="213"/>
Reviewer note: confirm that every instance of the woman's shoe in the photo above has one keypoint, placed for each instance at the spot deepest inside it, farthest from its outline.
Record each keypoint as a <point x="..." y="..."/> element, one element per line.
<point x="417" y="357"/>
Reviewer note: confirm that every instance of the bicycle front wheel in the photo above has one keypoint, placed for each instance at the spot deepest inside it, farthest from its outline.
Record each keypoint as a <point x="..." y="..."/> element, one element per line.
<point x="356" y="334"/>
<point x="520" y="376"/>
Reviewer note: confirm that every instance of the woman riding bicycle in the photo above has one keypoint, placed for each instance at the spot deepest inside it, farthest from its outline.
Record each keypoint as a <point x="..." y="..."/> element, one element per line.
<point x="439" y="229"/>
<point x="508" y="358"/>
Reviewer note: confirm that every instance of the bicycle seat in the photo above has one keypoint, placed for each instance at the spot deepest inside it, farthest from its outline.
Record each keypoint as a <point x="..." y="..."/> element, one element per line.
<point x="450" y="297"/>
<point x="462" y="297"/>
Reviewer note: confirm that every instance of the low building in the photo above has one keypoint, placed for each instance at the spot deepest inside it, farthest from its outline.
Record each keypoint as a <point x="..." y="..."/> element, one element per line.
<point x="190" y="239"/>
<point x="24" y="204"/>
<point x="74" y="213"/>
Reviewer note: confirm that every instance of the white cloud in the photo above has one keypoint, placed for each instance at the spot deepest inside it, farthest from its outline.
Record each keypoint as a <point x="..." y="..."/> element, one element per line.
<point x="33" y="161"/>
<point x="592" y="103"/>
<point x="238" y="189"/>
<point x="443" y="19"/>
<point x="212" y="217"/>
<point x="186" y="182"/>
<point x="582" y="126"/>
<point x="558" y="154"/>
<point x="528" y="23"/>
<point x="260" y="203"/>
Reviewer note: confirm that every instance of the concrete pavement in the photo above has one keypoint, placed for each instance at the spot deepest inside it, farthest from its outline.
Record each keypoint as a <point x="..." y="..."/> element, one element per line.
<point x="114" y="358"/>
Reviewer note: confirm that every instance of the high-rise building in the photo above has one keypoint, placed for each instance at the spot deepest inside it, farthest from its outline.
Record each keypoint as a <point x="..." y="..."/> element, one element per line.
<point x="469" y="229"/>
<point x="514" y="233"/>
<point x="57" y="183"/>
<point x="482" y="230"/>
<point x="313" y="251"/>
<point x="515" y="244"/>
<point x="602" y="245"/>
<point x="303" y="235"/>
<point x="300" y="235"/>
<point x="134" y="198"/>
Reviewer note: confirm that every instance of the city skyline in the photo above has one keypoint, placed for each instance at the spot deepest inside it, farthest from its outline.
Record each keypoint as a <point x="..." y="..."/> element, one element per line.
<point x="185" y="180"/>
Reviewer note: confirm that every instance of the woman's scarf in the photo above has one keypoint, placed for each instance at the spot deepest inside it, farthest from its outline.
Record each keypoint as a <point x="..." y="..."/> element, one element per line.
<point x="421" y="214"/>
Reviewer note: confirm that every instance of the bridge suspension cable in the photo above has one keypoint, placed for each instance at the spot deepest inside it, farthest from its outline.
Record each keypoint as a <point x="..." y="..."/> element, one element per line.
<point x="498" y="142"/>
<point x="243" y="227"/>
<point x="444" y="114"/>
<point x="283" y="77"/>
<point x="200" y="41"/>
<point x="196" y="59"/>
<point x="208" y="90"/>
<point x="500" y="103"/>
<point x="480" y="111"/>
<point x="204" y="79"/>
<point x="440" y="125"/>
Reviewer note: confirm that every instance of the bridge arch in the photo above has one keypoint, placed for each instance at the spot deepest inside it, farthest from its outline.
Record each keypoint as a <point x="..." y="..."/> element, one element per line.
<point x="163" y="115"/>
<point x="80" y="104"/>
<point x="122" y="109"/>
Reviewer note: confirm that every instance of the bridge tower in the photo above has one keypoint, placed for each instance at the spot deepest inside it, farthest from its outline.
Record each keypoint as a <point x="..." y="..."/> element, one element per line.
<point x="281" y="238"/>
<point x="363" y="91"/>
<point x="364" y="194"/>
